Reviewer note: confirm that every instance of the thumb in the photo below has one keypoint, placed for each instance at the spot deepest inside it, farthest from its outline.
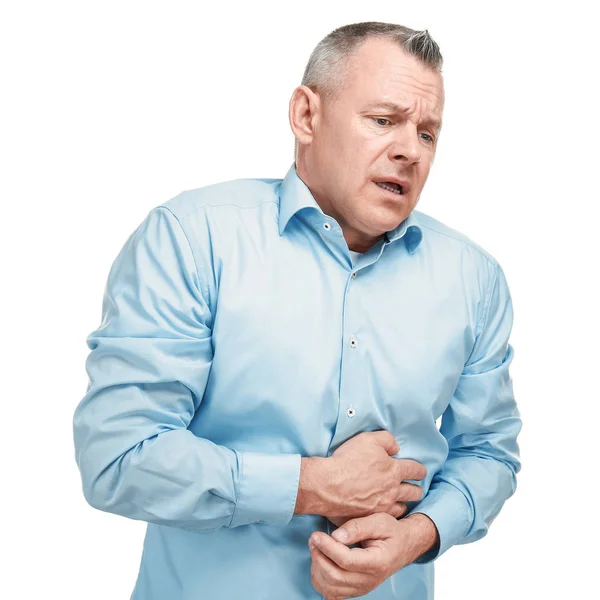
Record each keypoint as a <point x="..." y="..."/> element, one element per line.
<point x="374" y="526"/>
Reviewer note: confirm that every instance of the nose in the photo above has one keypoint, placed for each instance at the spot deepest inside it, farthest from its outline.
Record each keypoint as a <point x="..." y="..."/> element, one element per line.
<point x="406" y="146"/>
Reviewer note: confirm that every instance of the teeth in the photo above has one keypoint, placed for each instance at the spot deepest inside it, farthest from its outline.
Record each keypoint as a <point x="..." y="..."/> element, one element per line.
<point x="391" y="189"/>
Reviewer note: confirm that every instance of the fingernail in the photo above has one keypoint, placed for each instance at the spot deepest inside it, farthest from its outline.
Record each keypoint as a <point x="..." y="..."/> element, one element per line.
<point x="340" y="534"/>
<point x="313" y="542"/>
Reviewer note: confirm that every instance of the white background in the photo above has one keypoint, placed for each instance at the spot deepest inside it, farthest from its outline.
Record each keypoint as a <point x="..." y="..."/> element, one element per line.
<point x="111" y="108"/>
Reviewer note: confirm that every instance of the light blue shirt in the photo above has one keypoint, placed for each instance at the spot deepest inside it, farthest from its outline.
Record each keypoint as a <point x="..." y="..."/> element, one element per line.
<point x="237" y="337"/>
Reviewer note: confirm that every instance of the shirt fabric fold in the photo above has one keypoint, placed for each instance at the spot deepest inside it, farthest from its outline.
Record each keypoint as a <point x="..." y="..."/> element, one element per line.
<point x="238" y="335"/>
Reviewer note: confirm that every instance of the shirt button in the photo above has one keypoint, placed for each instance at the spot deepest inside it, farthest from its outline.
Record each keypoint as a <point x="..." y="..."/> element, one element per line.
<point x="326" y="226"/>
<point x="353" y="342"/>
<point x="351" y="412"/>
<point x="354" y="275"/>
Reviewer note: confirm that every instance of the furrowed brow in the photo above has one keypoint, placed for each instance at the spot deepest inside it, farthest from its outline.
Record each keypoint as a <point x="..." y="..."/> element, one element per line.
<point x="396" y="108"/>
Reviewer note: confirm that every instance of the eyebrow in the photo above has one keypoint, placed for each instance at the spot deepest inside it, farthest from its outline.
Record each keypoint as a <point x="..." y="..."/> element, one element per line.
<point x="396" y="108"/>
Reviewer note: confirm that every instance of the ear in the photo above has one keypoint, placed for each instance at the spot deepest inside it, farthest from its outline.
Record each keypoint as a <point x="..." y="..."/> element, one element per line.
<point x="304" y="113"/>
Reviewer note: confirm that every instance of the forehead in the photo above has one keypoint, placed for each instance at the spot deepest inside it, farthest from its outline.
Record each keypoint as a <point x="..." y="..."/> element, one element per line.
<point x="381" y="71"/>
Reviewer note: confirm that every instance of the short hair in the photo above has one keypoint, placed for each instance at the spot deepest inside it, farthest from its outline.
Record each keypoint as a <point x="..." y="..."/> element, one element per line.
<point x="328" y="64"/>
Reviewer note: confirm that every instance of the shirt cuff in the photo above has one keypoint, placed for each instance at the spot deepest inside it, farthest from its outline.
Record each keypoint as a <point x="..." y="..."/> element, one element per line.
<point x="449" y="510"/>
<point x="267" y="488"/>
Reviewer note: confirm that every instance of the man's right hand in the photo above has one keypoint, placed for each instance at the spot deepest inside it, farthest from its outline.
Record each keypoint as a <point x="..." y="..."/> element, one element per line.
<point x="360" y="478"/>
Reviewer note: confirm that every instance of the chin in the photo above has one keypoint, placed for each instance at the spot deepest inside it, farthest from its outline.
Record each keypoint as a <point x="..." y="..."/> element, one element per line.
<point x="380" y="227"/>
<point x="391" y="218"/>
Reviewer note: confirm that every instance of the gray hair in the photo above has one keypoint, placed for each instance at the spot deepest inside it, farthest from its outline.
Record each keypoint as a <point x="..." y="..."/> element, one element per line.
<point x="328" y="64"/>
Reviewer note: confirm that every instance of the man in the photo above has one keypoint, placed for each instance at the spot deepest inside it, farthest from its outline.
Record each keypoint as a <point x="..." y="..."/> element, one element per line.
<point x="274" y="354"/>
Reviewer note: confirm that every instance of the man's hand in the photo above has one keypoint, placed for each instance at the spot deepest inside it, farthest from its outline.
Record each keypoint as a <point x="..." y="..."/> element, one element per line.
<point x="397" y="511"/>
<point x="359" y="479"/>
<point x="388" y="545"/>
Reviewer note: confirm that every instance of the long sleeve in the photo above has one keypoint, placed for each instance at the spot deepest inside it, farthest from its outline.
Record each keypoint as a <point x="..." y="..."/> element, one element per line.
<point x="148" y="368"/>
<point x="481" y="425"/>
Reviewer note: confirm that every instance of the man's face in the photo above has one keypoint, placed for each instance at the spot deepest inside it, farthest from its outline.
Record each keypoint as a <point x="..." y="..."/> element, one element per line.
<point x="356" y="143"/>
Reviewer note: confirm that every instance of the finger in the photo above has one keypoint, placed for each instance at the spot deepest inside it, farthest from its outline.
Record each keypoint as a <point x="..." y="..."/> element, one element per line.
<point x="409" y="492"/>
<point x="411" y="469"/>
<point x="397" y="511"/>
<point x="348" y="559"/>
<point x="334" y="581"/>
<point x="375" y="526"/>
<point x="387" y="441"/>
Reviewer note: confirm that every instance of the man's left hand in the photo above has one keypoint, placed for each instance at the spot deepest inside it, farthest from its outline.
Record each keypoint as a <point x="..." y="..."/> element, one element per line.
<point x="388" y="545"/>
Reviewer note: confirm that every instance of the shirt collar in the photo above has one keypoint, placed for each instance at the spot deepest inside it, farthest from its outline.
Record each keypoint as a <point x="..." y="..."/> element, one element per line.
<point x="294" y="195"/>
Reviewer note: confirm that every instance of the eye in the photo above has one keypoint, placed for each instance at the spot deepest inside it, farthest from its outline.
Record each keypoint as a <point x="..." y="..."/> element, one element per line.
<point x="377" y="119"/>
<point x="427" y="137"/>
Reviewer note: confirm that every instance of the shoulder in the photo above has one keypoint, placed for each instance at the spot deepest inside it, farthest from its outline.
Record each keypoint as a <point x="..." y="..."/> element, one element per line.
<point x="236" y="194"/>
<point x="443" y="239"/>
<point x="460" y="257"/>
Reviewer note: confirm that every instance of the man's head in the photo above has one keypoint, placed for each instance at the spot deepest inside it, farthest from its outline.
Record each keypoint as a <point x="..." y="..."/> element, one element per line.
<point x="345" y="142"/>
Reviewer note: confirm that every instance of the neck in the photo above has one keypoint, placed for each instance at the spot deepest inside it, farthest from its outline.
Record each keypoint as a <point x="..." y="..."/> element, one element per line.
<point x="357" y="241"/>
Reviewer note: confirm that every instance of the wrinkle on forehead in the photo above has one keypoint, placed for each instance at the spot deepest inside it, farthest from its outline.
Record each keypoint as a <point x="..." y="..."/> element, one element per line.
<point x="409" y="83"/>
<point x="383" y="68"/>
<point x="400" y="81"/>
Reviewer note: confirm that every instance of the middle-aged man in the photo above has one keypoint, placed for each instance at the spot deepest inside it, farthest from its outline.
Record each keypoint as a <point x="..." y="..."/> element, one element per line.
<point x="274" y="355"/>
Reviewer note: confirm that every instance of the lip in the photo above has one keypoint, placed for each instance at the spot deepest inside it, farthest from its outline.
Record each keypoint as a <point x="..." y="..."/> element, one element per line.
<point x="403" y="182"/>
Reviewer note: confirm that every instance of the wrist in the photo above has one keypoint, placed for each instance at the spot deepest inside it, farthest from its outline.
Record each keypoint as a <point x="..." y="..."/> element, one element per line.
<point x="424" y="533"/>
<point x="311" y="488"/>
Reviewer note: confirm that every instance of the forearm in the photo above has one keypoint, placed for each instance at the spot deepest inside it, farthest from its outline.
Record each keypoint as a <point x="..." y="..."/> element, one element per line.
<point x="465" y="498"/>
<point x="173" y="477"/>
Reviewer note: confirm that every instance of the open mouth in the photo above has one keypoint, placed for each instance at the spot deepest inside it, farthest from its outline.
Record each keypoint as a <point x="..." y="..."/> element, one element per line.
<point x="396" y="188"/>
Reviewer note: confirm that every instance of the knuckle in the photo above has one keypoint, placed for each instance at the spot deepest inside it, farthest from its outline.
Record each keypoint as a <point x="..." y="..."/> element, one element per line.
<point x="331" y="577"/>
<point x="409" y="468"/>
<point x="381" y="519"/>
<point x="415" y="493"/>
<point x="388" y="500"/>
<point x="380" y="569"/>
<point x="335" y="580"/>
<point x="353" y="527"/>
<point x="321" y="573"/>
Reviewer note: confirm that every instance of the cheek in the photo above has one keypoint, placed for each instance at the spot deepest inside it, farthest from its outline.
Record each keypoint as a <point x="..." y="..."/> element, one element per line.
<point x="424" y="167"/>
